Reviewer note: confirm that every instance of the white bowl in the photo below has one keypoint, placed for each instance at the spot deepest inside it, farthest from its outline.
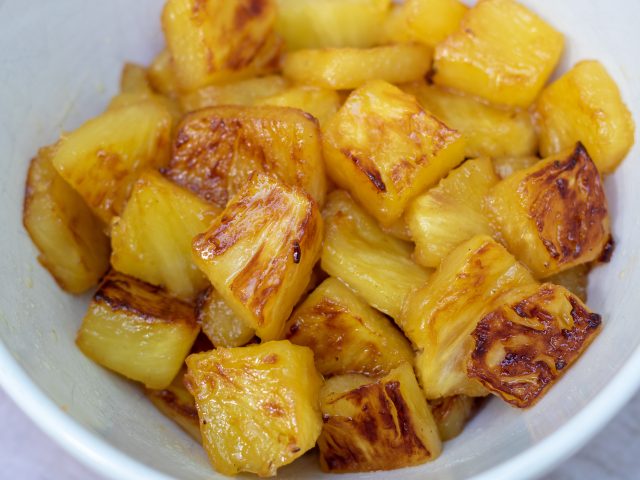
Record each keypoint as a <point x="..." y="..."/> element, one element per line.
<point x="59" y="64"/>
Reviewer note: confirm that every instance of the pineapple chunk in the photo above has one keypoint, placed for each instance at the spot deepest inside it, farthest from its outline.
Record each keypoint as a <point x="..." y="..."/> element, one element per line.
<point x="217" y="149"/>
<point x="137" y="330"/>
<point x="176" y="403"/>
<point x="451" y="414"/>
<point x="223" y="327"/>
<point x="347" y="68"/>
<point x="385" y="149"/>
<point x="345" y="334"/>
<point x="554" y="214"/>
<point x="103" y="157"/>
<point x="322" y="103"/>
<point x="260" y="252"/>
<point x="523" y="346"/>
<point x="161" y="74"/>
<point x="575" y="280"/>
<point x="440" y="317"/>
<point x="330" y="23"/>
<point x="488" y="131"/>
<point x="377" y="266"/>
<point x="258" y="405"/>
<point x="376" y="425"/>
<point x="507" y="166"/>
<point x="451" y="213"/>
<point x="152" y="239"/>
<point x="584" y="105"/>
<point x="502" y="52"/>
<point x="213" y="42"/>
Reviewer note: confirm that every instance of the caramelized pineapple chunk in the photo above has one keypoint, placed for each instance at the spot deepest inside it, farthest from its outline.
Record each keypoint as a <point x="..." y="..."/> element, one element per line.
<point x="161" y="74"/>
<point x="584" y="105"/>
<point x="103" y="157"/>
<point x="502" y="52"/>
<point x="137" y="330"/>
<point x="385" y="149"/>
<point x="554" y="214"/>
<point x="507" y="166"/>
<point x="377" y="266"/>
<point x="451" y="414"/>
<point x="440" y="317"/>
<point x="522" y="347"/>
<point x="260" y="252"/>
<point x="348" y="68"/>
<point x="217" y="149"/>
<point x="451" y="213"/>
<point x="72" y="245"/>
<point x="258" y="405"/>
<point x="322" y="103"/>
<point x="223" y="327"/>
<point x="376" y="425"/>
<point x="345" y="334"/>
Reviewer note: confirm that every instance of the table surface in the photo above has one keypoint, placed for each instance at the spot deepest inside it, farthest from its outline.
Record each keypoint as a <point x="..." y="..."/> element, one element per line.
<point x="27" y="454"/>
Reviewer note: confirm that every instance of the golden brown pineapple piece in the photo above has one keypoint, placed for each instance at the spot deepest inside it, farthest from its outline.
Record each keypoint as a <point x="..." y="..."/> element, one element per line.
<point x="223" y="327"/>
<point x="347" y="68"/>
<point x="440" y="317"/>
<point x="152" y="239"/>
<point x="502" y="52"/>
<point x="451" y="212"/>
<point x="575" y="279"/>
<point x="345" y="334"/>
<point x="584" y="105"/>
<point x="507" y="166"/>
<point x="103" y="157"/>
<point x="258" y="405"/>
<point x="161" y="74"/>
<point x="385" y="149"/>
<point x="377" y="266"/>
<point x="322" y="103"/>
<point x="71" y="242"/>
<point x="554" y="214"/>
<point x="376" y="424"/>
<point x="260" y="252"/>
<point x="217" y="149"/>
<point x="137" y="330"/>
<point x="451" y="414"/>
<point x="523" y="346"/>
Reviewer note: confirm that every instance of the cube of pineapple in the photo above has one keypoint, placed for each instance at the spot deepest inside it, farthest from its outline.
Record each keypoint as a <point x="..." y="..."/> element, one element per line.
<point x="258" y="405"/>
<point x="554" y="214"/>
<point x="507" y="166"/>
<point x="440" y="317"/>
<point x="451" y="414"/>
<point x="377" y="266"/>
<point x="347" y="68"/>
<point x="217" y="149"/>
<point x="376" y="425"/>
<point x="103" y="157"/>
<point x="488" y="131"/>
<point x="161" y="74"/>
<point x="213" y="42"/>
<point x="523" y="346"/>
<point x="137" y="330"/>
<point x="502" y="52"/>
<point x="330" y="23"/>
<point x="385" y="149"/>
<point x="345" y="334"/>
<point x="584" y="105"/>
<point x="260" y="252"/>
<point x="152" y="239"/>
<point x="322" y="103"/>
<point x="575" y="279"/>
<point x="451" y="212"/>
<point x="223" y="327"/>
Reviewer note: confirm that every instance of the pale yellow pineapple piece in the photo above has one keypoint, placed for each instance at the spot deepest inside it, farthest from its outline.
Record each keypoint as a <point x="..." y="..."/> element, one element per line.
<point x="223" y="327"/>
<point x="554" y="214"/>
<point x="345" y="334"/>
<point x="488" y="131"/>
<point x="507" y="166"/>
<point x="161" y="74"/>
<point x="137" y="330"/>
<point x="502" y="52"/>
<point x="347" y="68"/>
<point x="102" y="158"/>
<point x="330" y="23"/>
<point x="260" y="251"/>
<point x="377" y="266"/>
<point x="376" y="424"/>
<point x="386" y="149"/>
<point x="576" y="279"/>
<point x="584" y="105"/>
<point x="451" y="414"/>
<point x="440" y="317"/>
<point x="451" y="212"/>
<point x="322" y="103"/>
<point x="71" y="242"/>
<point x="258" y="405"/>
